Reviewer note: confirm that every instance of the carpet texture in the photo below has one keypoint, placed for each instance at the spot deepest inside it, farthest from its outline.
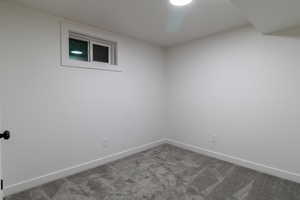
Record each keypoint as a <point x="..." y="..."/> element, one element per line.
<point x="166" y="173"/>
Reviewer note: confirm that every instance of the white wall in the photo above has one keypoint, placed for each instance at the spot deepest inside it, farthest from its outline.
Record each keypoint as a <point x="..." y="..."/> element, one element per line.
<point x="242" y="87"/>
<point x="59" y="116"/>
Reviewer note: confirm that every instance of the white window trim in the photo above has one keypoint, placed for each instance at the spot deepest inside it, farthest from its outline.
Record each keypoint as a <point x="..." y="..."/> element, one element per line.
<point x="66" y="28"/>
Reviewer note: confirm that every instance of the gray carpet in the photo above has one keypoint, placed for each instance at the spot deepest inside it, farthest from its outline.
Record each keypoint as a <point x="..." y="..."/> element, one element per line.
<point x="166" y="173"/>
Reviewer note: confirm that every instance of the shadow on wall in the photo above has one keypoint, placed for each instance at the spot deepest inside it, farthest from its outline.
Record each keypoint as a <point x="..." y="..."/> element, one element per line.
<point x="289" y="33"/>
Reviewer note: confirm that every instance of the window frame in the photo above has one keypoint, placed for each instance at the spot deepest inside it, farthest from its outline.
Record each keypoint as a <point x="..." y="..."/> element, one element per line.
<point x="93" y="37"/>
<point x="101" y="44"/>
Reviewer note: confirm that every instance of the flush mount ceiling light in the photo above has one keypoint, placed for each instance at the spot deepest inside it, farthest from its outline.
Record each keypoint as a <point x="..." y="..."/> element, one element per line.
<point x="180" y="2"/>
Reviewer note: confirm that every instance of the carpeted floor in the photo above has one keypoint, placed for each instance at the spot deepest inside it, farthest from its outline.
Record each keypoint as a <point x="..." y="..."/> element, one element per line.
<point x="166" y="173"/>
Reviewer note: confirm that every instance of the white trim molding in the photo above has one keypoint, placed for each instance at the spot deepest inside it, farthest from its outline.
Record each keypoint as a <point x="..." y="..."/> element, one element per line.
<point x="284" y="174"/>
<point x="34" y="182"/>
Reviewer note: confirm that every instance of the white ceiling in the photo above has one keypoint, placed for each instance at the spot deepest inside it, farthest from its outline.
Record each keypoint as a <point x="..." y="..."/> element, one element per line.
<point x="270" y="16"/>
<point x="154" y="21"/>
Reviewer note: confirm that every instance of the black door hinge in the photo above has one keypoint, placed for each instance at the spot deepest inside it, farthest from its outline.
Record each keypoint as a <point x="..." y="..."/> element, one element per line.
<point x="1" y="184"/>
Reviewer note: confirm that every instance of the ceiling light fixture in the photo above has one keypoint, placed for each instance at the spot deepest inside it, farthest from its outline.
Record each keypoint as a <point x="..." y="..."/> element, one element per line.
<point x="180" y="2"/>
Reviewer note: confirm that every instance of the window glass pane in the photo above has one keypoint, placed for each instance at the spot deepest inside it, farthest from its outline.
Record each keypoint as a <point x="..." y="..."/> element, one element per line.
<point x="78" y="49"/>
<point x="100" y="53"/>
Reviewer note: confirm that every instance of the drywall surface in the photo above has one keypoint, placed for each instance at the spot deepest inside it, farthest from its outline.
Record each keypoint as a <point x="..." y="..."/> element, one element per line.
<point x="237" y="93"/>
<point x="60" y="117"/>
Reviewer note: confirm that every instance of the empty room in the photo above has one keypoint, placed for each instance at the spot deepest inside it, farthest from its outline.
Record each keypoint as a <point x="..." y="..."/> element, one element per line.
<point x="150" y="99"/>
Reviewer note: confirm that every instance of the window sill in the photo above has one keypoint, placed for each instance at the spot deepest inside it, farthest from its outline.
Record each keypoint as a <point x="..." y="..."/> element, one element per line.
<point x="98" y="66"/>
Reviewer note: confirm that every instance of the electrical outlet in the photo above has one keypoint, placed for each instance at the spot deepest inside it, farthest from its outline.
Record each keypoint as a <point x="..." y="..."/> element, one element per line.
<point x="213" y="140"/>
<point x="105" y="143"/>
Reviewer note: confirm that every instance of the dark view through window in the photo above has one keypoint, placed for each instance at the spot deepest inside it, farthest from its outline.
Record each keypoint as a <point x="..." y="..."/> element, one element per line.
<point x="78" y="49"/>
<point x="100" y="53"/>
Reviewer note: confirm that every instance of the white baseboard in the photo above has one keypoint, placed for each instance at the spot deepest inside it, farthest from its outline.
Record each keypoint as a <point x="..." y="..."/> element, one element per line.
<point x="295" y="177"/>
<point x="27" y="184"/>
<point x="34" y="182"/>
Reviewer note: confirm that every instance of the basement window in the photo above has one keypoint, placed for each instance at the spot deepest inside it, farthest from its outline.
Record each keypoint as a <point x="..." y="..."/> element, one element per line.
<point x="78" y="49"/>
<point x="87" y="50"/>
